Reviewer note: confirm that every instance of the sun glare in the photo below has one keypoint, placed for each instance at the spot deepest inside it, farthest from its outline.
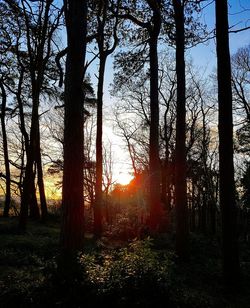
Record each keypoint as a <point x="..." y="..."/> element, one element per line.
<point x="124" y="178"/>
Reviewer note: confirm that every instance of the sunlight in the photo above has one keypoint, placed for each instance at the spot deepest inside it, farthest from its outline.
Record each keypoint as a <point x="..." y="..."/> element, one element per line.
<point x="52" y="191"/>
<point x="124" y="178"/>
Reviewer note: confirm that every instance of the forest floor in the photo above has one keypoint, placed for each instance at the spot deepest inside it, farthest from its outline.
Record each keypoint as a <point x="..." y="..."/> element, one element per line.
<point x="116" y="273"/>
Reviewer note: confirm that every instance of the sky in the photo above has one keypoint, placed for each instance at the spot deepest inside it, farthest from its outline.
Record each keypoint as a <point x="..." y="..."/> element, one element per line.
<point x="203" y="55"/>
<point x="239" y="17"/>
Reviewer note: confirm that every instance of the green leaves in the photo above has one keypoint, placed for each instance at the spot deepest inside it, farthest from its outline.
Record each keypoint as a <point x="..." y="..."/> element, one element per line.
<point x="136" y="267"/>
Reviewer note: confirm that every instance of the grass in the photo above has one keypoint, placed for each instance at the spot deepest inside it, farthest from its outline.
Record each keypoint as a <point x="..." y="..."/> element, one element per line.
<point x="139" y="274"/>
<point x="22" y="259"/>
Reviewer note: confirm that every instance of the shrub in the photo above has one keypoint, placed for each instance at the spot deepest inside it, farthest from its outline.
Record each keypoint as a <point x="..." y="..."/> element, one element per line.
<point x="135" y="274"/>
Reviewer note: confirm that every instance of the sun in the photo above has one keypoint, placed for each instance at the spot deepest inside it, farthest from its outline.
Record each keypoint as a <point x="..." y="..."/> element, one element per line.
<point x="124" y="178"/>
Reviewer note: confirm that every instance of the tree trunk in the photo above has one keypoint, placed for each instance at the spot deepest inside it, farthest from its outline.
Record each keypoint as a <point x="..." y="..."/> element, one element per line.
<point x="29" y="195"/>
<point x="98" y="205"/>
<point x="34" y="212"/>
<point x="72" y="229"/>
<point x="25" y="137"/>
<point x="154" y="160"/>
<point x="6" y="153"/>
<point x="180" y="151"/>
<point x="226" y="165"/>
<point x="40" y="182"/>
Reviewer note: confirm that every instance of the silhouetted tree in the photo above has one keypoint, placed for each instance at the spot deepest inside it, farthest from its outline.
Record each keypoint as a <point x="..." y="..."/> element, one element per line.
<point x="226" y="163"/>
<point x="39" y="31"/>
<point x="149" y="27"/>
<point x="72" y="230"/>
<point x="106" y="27"/>
<point x="5" y="149"/>
<point x="180" y="152"/>
<point x="241" y="81"/>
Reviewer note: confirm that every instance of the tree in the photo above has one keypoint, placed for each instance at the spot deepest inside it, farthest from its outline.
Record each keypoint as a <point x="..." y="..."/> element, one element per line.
<point x="180" y="152"/>
<point x="6" y="152"/>
<point x="106" y="30"/>
<point x="226" y="164"/>
<point x="148" y="31"/>
<point x="241" y="103"/>
<point x="154" y="159"/>
<point x="12" y="28"/>
<point x="38" y="38"/>
<point x="241" y="81"/>
<point x="8" y="31"/>
<point x="72" y="229"/>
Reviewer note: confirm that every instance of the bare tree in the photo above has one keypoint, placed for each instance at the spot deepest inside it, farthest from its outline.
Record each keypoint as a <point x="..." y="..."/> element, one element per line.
<point x="38" y="41"/>
<point x="107" y="40"/>
<point x="241" y="81"/>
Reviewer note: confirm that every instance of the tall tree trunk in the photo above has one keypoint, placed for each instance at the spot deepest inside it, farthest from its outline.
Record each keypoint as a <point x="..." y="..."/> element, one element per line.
<point x="6" y="152"/>
<point x="21" y="112"/>
<point x="40" y="182"/>
<point x="154" y="160"/>
<point x="104" y="52"/>
<point x="98" y="205"/>
<point x="180" y="151"/>
<point x="226" y="164"/>
<point x="72" y="229"/>
<point x="25" y="137"/>
<point x="34" y="211"/>
<point x="29" y="196"/>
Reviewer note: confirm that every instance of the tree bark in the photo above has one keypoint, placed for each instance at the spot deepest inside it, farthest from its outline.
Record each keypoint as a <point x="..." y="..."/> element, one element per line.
<point x="180" y="151"/>
<point x="72" y="229"/>
<point x="40" y="182"/>
<point x="6" y="153"/>
<point x="226" y="165"/>
<point x="34" y="206"/>
<point x="98" y="205"/>
<point x="34" y="211"/>
<point x="154" y="160"/>
<point x="28" y="196"/>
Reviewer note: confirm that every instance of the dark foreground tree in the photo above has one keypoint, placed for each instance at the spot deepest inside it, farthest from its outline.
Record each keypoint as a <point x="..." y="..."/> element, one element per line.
<point x="154" y="161"/>
<point x="5" y="150"/>
<point x="226" y="164"/>
<point x="180" y="152"/>
<point x="72" y="230"/>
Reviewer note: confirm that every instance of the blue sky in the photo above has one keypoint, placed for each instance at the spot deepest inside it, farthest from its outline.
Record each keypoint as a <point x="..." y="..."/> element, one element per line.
<point x="239" y="17"/>
<point x="202" y="55"/>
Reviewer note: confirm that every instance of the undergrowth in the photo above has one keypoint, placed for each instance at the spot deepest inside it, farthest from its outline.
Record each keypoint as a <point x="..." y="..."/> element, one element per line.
<point x="140" y="273"/>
